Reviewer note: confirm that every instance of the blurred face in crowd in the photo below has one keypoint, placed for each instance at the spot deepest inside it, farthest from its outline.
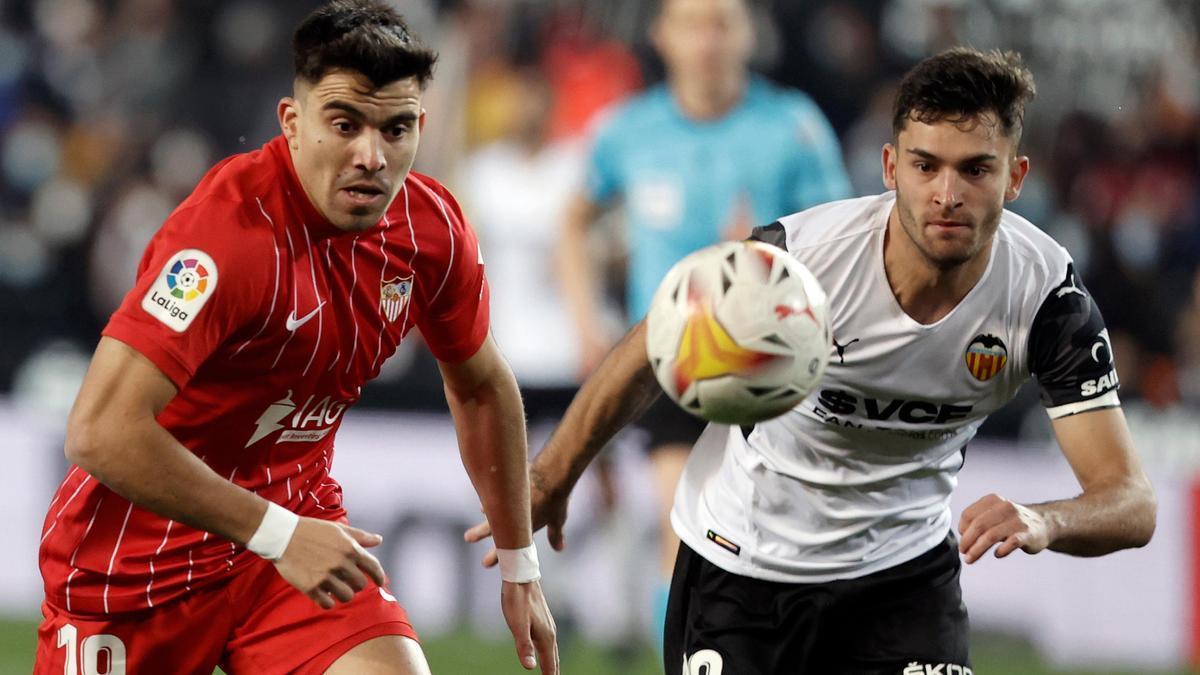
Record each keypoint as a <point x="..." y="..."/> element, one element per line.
<point x="951" y="180"/>
<point x="534" y="107"/>
<point x="352" y="143"/>
<point x="704" y="40"/>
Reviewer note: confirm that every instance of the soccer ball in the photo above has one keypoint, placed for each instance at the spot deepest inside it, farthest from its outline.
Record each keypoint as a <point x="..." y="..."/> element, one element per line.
<point x="738" y="332"/>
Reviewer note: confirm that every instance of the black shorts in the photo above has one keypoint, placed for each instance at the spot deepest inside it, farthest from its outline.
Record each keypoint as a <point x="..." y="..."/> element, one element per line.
<point x="909" y="615"/>
<point x="668" y="424"/>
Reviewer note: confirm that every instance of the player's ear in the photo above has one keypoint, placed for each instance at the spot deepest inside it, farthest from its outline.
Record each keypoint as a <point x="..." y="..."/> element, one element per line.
<point x="421" y="121"/>
<point x="288" y="112"/>
<point x="888" y="160"/>
<point x="1018" y="168"/>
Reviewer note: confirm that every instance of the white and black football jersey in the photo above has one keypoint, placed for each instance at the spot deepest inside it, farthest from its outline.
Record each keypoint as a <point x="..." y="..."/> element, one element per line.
<point x="858" y="477"/>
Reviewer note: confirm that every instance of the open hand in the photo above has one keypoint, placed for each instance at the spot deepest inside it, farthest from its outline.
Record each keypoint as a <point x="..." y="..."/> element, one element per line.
<point x="548" y="508"/>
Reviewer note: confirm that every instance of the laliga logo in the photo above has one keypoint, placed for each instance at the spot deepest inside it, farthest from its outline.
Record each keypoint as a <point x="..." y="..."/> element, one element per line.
<point x="185" y="284"/>
<point x="186" y="281"/>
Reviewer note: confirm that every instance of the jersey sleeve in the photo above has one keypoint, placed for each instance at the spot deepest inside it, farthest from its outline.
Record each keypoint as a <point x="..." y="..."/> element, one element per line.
<point x="456" y="319"/>
<point x="602" y="180"/>
<point x="201" y="278"/>
<point x="1070" y="353"/>
<point x="819" y="174"/>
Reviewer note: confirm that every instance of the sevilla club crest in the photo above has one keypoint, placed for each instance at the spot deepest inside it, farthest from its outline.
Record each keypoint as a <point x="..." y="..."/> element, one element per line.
<point x="394" y="295"/>
<point x="985" y="356"/>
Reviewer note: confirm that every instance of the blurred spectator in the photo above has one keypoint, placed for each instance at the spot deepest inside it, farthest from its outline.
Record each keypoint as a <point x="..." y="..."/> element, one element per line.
<point x="516" y="189"/>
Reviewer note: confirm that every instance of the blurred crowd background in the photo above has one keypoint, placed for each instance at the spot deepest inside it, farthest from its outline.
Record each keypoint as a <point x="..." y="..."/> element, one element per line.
<point x="111" y="110"/>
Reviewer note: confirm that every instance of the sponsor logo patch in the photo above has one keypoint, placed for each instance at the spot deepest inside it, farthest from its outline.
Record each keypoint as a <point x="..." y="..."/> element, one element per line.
<point x="185" y="284"/>
<point x="306" y="423"/>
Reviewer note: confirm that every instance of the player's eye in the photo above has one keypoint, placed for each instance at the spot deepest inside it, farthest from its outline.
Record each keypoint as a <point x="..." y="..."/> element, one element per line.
<point x="398" y="131"/>
<point x="924" y="167"/>
<point x="976" y="171"/>
<point x="343" y="126"/>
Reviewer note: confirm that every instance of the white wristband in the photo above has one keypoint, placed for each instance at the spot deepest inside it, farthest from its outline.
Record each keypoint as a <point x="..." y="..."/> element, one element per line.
<point x="519" y="565"/>
<point x="271" y="538"/>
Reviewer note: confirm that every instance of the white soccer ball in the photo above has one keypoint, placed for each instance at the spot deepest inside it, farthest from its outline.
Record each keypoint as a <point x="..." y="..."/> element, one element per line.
<point x="738" y="332"/>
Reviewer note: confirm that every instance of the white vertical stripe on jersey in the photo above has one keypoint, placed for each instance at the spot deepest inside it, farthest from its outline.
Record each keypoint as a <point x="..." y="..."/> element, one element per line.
<point x="350" y="292"/>
<point x="274" y="293"/>
<point x="69" y="577"/>
<point x="329" y="268"/>
<point x="167" y="533"/>
<point x="64" y="506"/>
<point x="291" y="258"/>
<point x="412" y="233"/>
<point x="382" y="276"/>
<point x="449" y="233"/>
<point x="312" y="269"/>
<point x="58" y="493"/>
<point x="113" y="558"/>
<point x="188" y="584"/>
<point x="75" y="570"/>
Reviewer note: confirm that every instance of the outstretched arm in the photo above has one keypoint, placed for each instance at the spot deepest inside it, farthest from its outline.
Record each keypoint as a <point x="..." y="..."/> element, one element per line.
<point x="615" y="394"/>
<point x="620" y="390"/>
<point x="1116" y="509"/>
<point x="490" y="422"/>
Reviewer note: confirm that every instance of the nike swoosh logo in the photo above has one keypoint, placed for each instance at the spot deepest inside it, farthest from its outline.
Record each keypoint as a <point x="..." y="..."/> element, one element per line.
<point x="293" y="323"/>
<point x="386" y="596"/>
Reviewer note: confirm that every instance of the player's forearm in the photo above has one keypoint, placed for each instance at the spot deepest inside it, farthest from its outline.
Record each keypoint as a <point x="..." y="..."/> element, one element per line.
<point x="490" y="423"/>
<point x="142" y="462"/>
<point x="1103" y="519"/>
<point x="620" y="390"/>
<point x="575" y="270"/>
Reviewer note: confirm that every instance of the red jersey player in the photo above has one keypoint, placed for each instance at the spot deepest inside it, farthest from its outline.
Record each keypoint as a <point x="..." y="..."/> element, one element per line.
<point x="203" y="434"/>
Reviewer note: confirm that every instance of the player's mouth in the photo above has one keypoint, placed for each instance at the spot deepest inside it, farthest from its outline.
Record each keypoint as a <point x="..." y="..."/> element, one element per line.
<point x="363" y="194"/>
<point x="949" y="225"/>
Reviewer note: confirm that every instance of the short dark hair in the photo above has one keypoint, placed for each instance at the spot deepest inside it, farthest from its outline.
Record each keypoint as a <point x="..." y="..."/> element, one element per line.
<point x="963" y="83"/>
<point x="362" y="35"/>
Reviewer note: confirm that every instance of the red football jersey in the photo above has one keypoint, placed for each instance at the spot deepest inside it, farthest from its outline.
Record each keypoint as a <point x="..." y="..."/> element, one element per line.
<point x="268" y="319"/>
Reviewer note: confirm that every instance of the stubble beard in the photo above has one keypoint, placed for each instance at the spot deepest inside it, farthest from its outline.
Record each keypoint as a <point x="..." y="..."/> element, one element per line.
<point x="914" y="230"/>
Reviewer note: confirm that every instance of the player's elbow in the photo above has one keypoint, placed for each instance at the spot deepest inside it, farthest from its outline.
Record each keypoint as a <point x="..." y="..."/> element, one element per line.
<point x="86" y="445"/>
<point x="1145" y="515"/>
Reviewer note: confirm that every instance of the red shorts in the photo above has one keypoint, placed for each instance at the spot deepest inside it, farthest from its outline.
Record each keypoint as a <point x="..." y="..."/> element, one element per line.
<point x="256" y="623"/>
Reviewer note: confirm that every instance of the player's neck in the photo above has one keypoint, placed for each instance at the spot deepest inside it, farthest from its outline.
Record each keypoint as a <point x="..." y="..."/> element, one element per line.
<point x="707" y="101"/>
<point x="926" y="292"/>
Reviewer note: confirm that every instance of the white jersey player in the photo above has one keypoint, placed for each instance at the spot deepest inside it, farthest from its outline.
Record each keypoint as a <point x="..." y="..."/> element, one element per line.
<point x="821" y="541"/>
<point x="858" y="477"/>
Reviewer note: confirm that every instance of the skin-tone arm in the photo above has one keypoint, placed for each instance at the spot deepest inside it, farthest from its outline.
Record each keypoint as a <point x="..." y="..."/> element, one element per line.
<point x="1115" y="511"/>
<point x="577" y="275"/>
<point x="615" y="394"/>
<point x="490" y="423"/>
<point x="113" y="435"/>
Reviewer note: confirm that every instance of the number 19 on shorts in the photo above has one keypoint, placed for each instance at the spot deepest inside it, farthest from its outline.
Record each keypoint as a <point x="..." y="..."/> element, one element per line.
<point x="96" y="655"/>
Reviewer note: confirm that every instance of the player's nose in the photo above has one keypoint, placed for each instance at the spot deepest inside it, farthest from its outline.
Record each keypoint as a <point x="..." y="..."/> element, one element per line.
<point x="948" y="190"/>
<point x="368" y="152"/>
